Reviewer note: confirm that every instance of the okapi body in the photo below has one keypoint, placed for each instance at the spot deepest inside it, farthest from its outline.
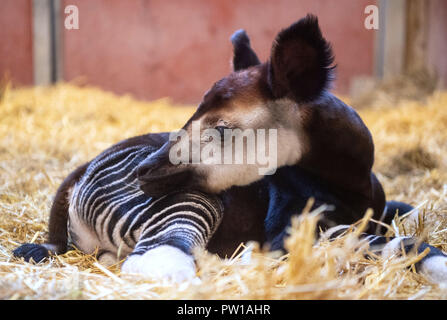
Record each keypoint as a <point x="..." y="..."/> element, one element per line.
<point x="325" y="152"/>
<point x="100" y="207"/>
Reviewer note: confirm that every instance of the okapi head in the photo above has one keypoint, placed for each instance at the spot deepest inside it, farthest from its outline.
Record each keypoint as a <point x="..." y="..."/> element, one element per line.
<point x="255" y="96"/>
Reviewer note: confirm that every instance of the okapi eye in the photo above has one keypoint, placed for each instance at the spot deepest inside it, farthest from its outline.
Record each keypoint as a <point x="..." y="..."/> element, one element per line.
<point x="221" y="130"/>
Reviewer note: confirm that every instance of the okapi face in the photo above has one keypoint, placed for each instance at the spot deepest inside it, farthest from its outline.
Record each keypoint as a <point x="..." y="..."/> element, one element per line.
<point x="256" y="102"/>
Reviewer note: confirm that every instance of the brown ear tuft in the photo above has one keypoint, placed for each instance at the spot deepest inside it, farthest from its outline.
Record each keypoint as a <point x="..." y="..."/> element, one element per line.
<point x="244" y="56"/>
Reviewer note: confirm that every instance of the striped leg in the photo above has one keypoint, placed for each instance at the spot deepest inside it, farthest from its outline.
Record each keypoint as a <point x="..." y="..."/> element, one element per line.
<point x="164" y="249"/>
<point x="433" y="265"/>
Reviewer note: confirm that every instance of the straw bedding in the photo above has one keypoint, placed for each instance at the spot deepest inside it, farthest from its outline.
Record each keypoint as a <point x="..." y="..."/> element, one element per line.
<point x="46" y="132"/>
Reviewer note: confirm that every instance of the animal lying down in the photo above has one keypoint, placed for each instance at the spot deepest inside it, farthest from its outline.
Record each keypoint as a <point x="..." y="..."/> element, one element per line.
<point x="106" y="210"/>
<point x="133" y="201"/>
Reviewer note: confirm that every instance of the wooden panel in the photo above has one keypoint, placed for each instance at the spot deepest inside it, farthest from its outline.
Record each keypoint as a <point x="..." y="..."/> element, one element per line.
<point x="437" y="41"/>
<point x="42" y="55"/>
<point x="392" y="38"/>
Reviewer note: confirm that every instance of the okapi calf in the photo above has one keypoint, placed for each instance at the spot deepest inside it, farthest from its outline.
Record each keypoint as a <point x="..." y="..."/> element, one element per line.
<point x="134" y="200"/>
<point x="325" y="151"/>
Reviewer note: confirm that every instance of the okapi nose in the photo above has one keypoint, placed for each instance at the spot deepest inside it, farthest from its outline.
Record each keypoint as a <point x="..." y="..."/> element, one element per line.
<point x="155" y="161"/>
<point x="144" y="170"/>
<point x="147" y="168"/>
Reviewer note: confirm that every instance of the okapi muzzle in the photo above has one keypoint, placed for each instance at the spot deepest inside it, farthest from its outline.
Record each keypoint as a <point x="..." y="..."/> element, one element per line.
<point x="158" y="176"/>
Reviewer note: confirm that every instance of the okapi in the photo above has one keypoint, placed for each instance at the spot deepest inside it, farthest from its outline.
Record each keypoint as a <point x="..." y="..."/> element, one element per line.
<point x="133" y="199"/>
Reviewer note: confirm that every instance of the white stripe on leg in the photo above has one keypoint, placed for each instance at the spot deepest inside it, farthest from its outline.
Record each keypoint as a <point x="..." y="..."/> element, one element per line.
<point x="393" y="247"/>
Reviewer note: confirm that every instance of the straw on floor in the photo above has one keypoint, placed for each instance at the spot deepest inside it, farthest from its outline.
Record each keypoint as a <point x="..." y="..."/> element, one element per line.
<point x="46" y="132"/>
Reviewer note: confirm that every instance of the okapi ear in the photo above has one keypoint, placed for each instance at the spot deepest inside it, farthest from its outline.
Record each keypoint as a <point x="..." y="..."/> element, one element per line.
<point x="300" y="62"/>
<point x="244" y="56"/>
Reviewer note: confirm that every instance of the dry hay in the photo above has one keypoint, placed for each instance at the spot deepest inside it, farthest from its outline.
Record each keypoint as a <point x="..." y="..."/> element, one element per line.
<point x="46" y="132"/>
<point x="417" y="85"/>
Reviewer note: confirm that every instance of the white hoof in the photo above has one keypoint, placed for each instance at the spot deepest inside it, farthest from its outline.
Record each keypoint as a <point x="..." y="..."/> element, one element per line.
<point x="435" y="268"/>
<point x="163" y="262"/>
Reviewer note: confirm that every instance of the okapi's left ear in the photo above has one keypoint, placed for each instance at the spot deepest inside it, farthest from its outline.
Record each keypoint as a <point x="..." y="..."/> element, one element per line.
<point x="244" y="56"/>
<point x="300" y="62"/>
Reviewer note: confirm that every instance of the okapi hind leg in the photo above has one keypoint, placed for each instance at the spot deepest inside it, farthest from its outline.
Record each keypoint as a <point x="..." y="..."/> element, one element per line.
<point x="433" y="265"/>
<point x="58" y="235"/>
<point x="393" y="208"/>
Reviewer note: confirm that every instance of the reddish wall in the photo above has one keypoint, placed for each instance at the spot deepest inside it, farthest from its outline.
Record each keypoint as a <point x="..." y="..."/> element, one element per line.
<point x="180" y="48"/>
<point x="16" y="54"/>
